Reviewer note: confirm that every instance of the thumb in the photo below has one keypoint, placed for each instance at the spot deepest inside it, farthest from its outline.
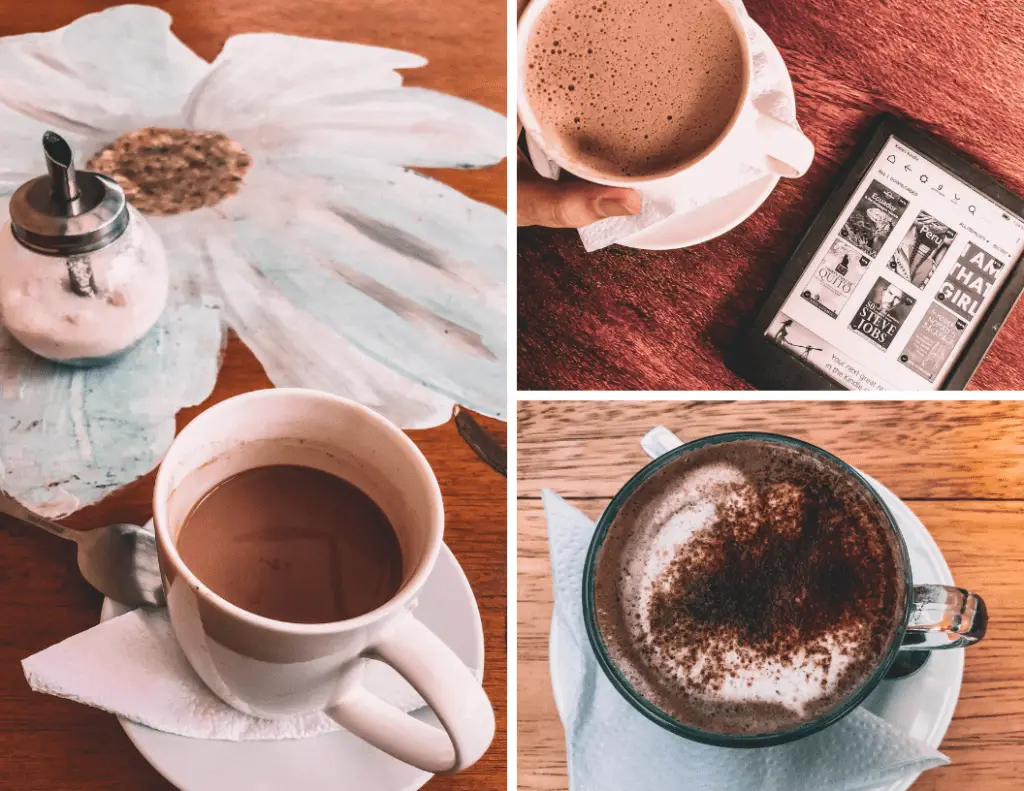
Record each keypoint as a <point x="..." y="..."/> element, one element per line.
<point x="571" y="204"/>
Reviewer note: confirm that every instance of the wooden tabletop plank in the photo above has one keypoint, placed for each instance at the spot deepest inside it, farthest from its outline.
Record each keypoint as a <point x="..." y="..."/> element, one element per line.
<point x="590" y="448"/>
<point x="981" y="539"/>
<point x="47" y="743"/>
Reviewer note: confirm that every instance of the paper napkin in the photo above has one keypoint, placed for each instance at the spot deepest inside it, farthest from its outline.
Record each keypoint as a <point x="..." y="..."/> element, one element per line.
<point x="132" y="666"/>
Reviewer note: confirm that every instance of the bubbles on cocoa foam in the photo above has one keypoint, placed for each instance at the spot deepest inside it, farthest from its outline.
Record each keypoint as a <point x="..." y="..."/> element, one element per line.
<point x="634" y="88"/>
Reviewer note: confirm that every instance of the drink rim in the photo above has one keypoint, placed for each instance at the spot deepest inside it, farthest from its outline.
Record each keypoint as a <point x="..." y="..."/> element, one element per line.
<point x="663" y="718"/>
<point x="524" y="30"/>
<point x="173" y="566"/>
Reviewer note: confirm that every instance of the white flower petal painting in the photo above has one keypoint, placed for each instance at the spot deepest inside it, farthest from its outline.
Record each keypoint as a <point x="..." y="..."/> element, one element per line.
<point x="340" y="267"/>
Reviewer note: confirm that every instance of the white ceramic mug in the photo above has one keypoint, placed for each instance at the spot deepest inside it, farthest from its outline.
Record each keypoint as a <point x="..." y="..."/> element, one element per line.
<point x="274" y="669"/>
<point x="788" y="151"/>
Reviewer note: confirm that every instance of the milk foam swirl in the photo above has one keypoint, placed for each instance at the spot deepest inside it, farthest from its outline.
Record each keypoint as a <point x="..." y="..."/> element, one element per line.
<point x="742" y="503"/>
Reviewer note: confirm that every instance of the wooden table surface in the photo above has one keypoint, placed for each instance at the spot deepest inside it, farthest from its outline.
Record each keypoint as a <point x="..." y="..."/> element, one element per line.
<point x="47" y="743"/>
<point x="958" y="465"/>
<point x="625" y="319"/>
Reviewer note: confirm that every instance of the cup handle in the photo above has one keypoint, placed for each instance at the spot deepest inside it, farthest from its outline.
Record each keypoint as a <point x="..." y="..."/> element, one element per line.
<point x="659" y="441"/>
<point x="444" y="682"/>
<point x="789" y="150"/>
<point x="944" y="617"/>
<point x="544" y="166"/>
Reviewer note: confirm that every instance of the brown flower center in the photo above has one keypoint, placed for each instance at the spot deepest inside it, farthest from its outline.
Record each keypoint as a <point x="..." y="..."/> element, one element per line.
<point x="170" y="171"/>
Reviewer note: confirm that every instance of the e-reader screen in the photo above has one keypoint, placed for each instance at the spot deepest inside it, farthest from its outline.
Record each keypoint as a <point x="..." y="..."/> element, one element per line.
<point x="903" y="277"/>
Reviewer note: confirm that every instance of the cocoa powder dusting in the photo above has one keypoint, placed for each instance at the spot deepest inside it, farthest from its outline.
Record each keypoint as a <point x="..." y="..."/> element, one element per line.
<point x="784" y="565"/>
<point x="764" y="555"/>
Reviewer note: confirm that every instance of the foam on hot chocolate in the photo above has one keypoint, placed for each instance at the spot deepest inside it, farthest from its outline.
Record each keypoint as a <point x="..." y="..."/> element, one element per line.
<point x="633" y="87"/>
<point x="748" y="587"/>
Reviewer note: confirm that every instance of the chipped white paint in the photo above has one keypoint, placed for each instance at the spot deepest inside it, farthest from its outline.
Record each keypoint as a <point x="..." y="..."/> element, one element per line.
<point x="340" y="268"/>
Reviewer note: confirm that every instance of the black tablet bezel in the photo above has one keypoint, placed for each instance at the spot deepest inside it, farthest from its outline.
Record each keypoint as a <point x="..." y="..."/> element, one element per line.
<point x="768" y="366"/>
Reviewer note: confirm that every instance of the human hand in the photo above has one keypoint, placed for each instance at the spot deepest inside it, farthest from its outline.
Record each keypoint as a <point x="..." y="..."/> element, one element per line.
<point x="568" y="204"/>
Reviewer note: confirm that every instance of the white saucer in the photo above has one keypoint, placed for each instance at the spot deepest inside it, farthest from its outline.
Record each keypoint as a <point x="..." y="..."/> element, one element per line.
<point x="334" y="761"/>
<point x="921" y="705"/>
<point x="721" y="216"/>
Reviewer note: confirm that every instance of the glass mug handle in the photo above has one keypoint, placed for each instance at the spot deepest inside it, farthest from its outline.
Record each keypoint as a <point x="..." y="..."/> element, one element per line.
<point x="942" y="616"/>
<point x="444" y="682"/>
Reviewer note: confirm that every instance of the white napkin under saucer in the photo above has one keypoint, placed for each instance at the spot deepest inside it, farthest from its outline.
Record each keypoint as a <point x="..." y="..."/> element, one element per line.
<point x="132" y="666"/>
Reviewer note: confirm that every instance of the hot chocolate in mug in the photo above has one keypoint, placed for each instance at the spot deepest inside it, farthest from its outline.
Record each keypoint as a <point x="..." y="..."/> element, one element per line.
<point x="275" y="669"/>
<point x="788" y="151"/>
<point x="933" y="617"/>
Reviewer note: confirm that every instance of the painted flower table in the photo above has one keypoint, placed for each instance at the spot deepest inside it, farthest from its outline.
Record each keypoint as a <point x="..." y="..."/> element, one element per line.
<point x="281" y="180"/>
<point x="366" y="200"/>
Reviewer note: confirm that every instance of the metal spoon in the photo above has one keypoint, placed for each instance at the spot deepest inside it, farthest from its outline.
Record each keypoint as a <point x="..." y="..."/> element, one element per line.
<point x="482" y="443"/>
<point x="119" y="561"/>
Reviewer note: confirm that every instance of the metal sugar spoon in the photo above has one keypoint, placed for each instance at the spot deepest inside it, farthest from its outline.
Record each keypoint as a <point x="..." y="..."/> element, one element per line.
<point x="119" y="561"/>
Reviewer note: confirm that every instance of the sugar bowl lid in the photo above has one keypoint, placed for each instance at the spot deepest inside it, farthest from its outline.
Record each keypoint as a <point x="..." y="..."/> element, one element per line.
<point x="67" y="212"/>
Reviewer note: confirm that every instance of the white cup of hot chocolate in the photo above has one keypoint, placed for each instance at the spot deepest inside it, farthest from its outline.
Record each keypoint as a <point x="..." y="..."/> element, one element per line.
<point x="660" y="88"/>
<point x="278" y="631"/>
<point x="750" y="589"/>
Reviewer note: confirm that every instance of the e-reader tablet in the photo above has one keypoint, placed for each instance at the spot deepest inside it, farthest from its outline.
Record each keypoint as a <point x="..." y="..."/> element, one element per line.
<point x="902" y="281"/>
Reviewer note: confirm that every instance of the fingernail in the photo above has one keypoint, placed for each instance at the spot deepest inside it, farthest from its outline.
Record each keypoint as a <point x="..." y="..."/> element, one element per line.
<point x="614" y="207"/>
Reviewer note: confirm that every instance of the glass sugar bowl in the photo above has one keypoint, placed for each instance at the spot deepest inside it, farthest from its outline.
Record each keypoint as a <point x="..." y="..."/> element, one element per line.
<point x="83" y="275"/>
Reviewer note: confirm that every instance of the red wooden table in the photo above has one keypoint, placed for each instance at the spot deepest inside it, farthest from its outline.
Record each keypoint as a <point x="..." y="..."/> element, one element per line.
<point x="634" y="320"/>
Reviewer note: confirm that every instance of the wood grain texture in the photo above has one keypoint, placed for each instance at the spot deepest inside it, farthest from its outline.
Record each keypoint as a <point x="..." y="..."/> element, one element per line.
<point x="47" y="743"/>
<point x="626" y="319"/>
<point x="586" y="451"/>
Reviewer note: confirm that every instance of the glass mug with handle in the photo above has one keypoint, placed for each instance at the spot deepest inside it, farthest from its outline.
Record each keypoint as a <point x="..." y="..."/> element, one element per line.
<point x="935" y="617"/>
<point x="274" y="669"/>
